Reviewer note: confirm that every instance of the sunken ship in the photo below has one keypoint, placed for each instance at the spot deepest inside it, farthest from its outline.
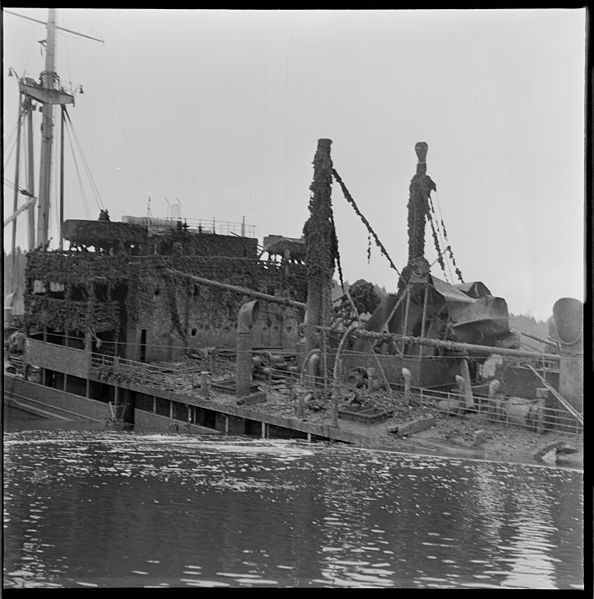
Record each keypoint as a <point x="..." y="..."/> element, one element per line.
<point x="165" y="324"/>
<point x="128" y="326"/>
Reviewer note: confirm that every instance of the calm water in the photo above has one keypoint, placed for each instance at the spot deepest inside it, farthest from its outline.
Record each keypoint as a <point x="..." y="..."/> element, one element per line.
<point x="119" y="509"/>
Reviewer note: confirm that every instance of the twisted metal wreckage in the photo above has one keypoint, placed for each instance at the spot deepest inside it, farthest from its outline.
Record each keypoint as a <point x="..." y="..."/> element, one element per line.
<point x="134" y="315"/>
<point x="431" y="335"/>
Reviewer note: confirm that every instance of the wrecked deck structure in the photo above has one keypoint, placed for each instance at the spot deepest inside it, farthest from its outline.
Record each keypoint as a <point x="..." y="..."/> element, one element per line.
<point x="150" y="317"/>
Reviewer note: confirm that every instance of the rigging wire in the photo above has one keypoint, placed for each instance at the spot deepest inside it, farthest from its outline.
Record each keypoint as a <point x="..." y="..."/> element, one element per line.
<point x="441" y="227"/>
<point x="123" y="129"/>
<point x="447" y="241"/>
<point x="12" y="186"/>
<point x="94" y="189"/>
<point x="437" y="248"/>
<point x="439" y="239"/>
<point x="370" y="231"/>
<point x="82" y="191"/>
<point x="67" y="54"/>
<point x="12" y="143"/>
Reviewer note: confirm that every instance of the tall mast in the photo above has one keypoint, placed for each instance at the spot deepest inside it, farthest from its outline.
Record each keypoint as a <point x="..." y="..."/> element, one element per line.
<point x="47" y="92"/>
<point x="48" y="82"/>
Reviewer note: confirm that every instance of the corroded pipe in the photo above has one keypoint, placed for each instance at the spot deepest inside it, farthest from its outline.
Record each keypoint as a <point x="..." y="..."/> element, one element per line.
<point x="305" y="366"/>
<point x="243" y="290"/>
<point x="338" y="358"/>
<point x="457" y="346"/>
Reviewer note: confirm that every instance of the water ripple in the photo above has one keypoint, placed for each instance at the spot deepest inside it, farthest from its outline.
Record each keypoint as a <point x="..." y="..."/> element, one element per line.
<point x="122" y="509"/>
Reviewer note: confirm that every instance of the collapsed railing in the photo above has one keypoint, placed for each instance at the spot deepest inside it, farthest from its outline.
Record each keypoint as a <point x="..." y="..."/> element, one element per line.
<point x="530" y="414"/>
<point x="173" y="377"/>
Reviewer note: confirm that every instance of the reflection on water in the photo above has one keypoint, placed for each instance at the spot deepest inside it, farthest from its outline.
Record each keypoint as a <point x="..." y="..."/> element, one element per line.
<point x="120" y="509"/>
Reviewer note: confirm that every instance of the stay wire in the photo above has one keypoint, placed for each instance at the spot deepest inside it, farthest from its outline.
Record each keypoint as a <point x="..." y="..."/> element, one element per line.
<point x="443" y="247"/>
<point x="94" y="187"/>
<point x="438" y="248"/>
<point x="351" y="201"/>
<point x="11" y="142"/>
<point x="125" y="135"/>
<point x="82" y="191"/>
<point x="447" y="241"/>
<point x="447" y="246"/>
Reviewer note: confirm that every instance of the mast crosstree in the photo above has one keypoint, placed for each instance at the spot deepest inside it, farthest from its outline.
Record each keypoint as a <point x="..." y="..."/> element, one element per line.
<point x="48" y="92"/>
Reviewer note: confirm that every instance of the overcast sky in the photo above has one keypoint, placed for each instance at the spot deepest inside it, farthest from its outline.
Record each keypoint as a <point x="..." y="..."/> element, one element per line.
<point x="223" y="109"/>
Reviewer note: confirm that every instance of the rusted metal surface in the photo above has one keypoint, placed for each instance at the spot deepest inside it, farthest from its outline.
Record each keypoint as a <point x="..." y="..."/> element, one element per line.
<point x="421" y="186"/>
<point x="320" y="239"/>
<point x="456" y="346"/>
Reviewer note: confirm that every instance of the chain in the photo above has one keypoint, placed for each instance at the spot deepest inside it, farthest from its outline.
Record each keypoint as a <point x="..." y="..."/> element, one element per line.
<point x="351" y="201"/>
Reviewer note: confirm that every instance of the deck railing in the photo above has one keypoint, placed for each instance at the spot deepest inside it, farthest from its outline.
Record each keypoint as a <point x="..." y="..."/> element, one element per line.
<point x="173" y="377"/>
<point x="528" y="414"/>
<point x="204" y="225"/>
<point x="525" y="413"/>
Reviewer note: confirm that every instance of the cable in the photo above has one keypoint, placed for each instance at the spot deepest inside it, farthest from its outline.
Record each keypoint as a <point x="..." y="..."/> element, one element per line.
<point x="12" y="144"/>
<point x="437" y="248"/>
<point x="439" y="240"/>
<point x="94" y="188"/>
<point x="138" y="179"/>
<point x="82" y="191"/>
<point x="351" y="201"/>
<point x="446" y="240"/>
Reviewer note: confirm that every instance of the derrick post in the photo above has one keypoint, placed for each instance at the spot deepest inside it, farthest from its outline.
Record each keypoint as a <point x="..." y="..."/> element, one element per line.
<point x="320" y="244"/>
<point x="420" y="188"/>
